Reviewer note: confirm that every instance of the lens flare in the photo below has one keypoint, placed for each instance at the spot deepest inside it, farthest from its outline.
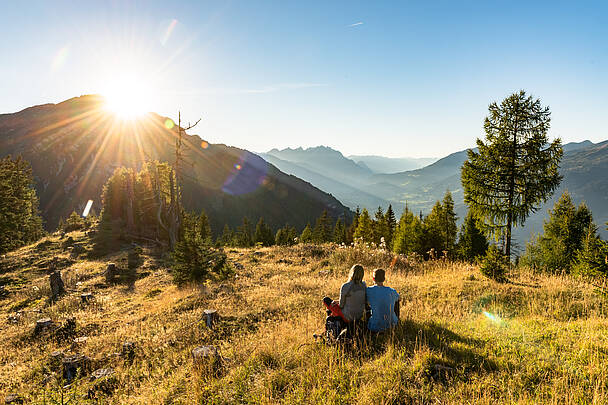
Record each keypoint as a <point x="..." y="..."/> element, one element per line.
<point x="205" y="145"/>
<point x="85" y="213"/>
<point x="237" y="167"/>
<point x="60" y="58"/>
<point x="169" y="124"/>
<point x="168" y="31"/>
<point x="494" y="318"/>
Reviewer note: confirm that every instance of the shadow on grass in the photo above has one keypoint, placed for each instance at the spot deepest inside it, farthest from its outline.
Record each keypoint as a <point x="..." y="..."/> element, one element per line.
<point x="448" y="353"/>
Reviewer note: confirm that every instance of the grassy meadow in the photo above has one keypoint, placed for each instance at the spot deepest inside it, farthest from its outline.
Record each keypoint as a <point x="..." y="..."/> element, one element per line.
<point x="461" y="339"/>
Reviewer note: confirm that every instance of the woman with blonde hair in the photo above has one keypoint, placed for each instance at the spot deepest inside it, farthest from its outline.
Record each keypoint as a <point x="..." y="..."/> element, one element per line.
<point x="349" y="309"/>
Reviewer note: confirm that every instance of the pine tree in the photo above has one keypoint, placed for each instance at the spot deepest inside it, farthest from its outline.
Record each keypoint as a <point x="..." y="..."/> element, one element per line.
<point x="353" y="226"/>
<point x="364" y="232"/>
<point x="204" y="228"/>
<point x="20" y="221"/>
<point x="472" y="243"/>
<point x="227" y="237"/>
<point x="449" y="228"/>
<point x="592" y="259"/>
<point x="563" y="235"/>
<point x="379" y="227"/>
<point x="243" y="236"/>
<point x="432" y="231"/>
<point x="391" y="223"/>
<point x="339" y="232"/>
<point x="516" y="169"/>
<point x="408" y="234"/>
<point x="323" y="231"/>
<point x="306" y="236"/>
<point x="263" y="234"/>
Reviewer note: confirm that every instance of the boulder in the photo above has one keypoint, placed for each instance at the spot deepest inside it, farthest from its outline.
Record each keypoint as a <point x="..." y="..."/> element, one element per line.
<point x="104" y="382"/>
<point x="57" y="285"/>
<point x="204" y="354"/>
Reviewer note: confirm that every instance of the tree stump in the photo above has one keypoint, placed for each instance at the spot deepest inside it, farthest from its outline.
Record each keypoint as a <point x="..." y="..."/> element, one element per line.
<point x="128" y="350"/>
<point x="13" y="399"/>
<point x="87" y="297"/>
<point x="211" y="316"/>
<point x="111" y="273"/>
<point x="57" y="285"/>
<point x="43" y="325"/>
<point x="72" y="364"/>
<point x="56" y="360"/>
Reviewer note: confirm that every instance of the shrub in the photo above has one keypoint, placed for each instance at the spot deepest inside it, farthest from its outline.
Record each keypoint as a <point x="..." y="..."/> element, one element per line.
<point x="195" y="260"/>
<point x="495" y="264"/>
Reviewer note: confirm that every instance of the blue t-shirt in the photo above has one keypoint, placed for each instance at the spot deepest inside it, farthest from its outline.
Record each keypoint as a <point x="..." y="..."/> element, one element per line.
<point x="382" y="301"/>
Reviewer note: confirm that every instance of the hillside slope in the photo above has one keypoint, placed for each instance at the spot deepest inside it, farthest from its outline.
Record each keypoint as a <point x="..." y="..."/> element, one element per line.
<point x="461" y="338"/>
<point x="74" y="146"/>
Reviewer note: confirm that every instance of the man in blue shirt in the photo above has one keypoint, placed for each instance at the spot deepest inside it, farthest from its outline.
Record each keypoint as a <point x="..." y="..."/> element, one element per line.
<point x="384" y="302"/>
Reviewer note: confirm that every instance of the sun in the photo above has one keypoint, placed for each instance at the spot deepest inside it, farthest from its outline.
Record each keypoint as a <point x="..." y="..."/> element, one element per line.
<point x="127" y="96"/>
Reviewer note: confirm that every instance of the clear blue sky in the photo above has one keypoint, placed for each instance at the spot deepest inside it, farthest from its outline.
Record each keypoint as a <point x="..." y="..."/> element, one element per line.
<point x="390" y="78"/>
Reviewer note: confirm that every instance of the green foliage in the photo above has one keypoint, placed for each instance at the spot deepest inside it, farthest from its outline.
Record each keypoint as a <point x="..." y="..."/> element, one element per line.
<point x="204" y="228"/>
<point x="323" y="230"/>
<point x="563" y="235"/>
<point x="306" y="236"/>
<point x="194" y="259"/>
<point x="364" y="231"/>
<point x="472" y="243"/>
<point x="243" y="236"/>
<point x="73" y="223"/>
<point x="227" y="237"/>
<point x="286" y="236"/>
<point x="495" y="264"/>
<point x="592" y="259"/>
<point x="408" y="235"/>
<point x="516" y="169"/>
<point x="340" y="232"/>
<point x="20" y="221"/>
<point x="391" y="226"/>
<point x="353" y="226"/>
<point x="379" y="227"/>
<point x="263" y="234"/>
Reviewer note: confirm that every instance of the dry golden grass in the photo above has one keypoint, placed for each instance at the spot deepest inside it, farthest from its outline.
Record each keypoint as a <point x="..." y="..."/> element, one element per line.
<point x="462" y="338"/>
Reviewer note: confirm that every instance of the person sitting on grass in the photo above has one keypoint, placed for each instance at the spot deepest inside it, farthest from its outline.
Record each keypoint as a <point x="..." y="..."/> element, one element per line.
<point x="384" y="303"/>
<point x="351" y="305"/>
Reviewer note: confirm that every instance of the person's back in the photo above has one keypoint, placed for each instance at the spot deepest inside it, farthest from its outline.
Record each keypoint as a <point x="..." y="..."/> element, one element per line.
<point x="352" y="299"/>
<point x="384" y="303"/>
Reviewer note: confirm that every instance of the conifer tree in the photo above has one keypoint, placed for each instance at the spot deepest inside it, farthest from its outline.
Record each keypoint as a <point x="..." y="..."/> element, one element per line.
<point x="391" y="224"/>
<point x="592" y="259"/>
<point x="243" y="236"/>
<point x="472" y="243"/>
<point x="408" y="234"/>
<point x="263" y="234"/>
<point x="379" y="227"/>
<point x="322" y="232"/>
<point x="563" y="235"/>
<point x="516" y="168"/>
<point x="449" y="228"/>
<point x="306" y="236"/>
<point x="364" y="232"/>
<point x="433" y="226"/>
<point x="227" y="237"/>
<point x="204" y="228"/>
<point x="353" y="226"/>
<point x="20" y="221"/>
<point x="339" y="232"/>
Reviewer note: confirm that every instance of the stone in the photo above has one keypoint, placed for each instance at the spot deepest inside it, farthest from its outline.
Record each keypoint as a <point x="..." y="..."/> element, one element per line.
<point x="57" y="285"/>
<point x="128" y="350"/>
<point x="103" y="381"/>
<point x="73" y="364"/>
<point x="13" y="399"/>
<point x="211" y="316"/>
<point x="87" y="297"/>
<point x="102" y="373"/>
<point x="111" y="272"/>
<point x="42" y="325"/>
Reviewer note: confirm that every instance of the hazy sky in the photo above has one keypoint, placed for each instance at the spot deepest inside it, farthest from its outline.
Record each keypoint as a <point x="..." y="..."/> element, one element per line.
<point x="390" y="78"/>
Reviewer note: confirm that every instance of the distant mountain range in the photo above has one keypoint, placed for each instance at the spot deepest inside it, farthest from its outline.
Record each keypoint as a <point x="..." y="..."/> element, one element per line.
<point x="381" y="164"/>
<point x="74" y="146"/>
<point x="584" y="167"/>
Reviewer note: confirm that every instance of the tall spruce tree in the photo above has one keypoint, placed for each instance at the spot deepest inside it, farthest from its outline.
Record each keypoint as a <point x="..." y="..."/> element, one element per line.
<point x="263" y="234"/>
<point x="204" y="228"/>
<point x="339" y="232"/>
<point x="563" y="235"/>
<point x="379" y="227"/>
<point x="323" y="231"/>
<point x="306" y="236"/>
<point x="391" y="225"/>
<point x="20" y="221"/>
<point x="353" y="226"/>
<point x="449" y="229"/>
<point x="516" y="168"/>
<point x="472" y="243"/>
<point x="408" y="235"/>
<point x="364" y="232"/>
